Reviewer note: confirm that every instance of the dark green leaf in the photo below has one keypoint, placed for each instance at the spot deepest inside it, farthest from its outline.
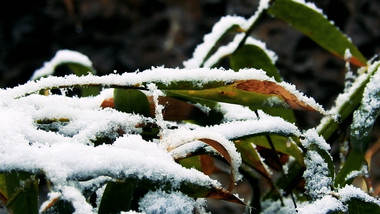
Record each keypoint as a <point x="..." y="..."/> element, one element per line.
<point x="316" y="26"/>
<point x="358" y="206"/>
<point x="117" y="197"/>
<point x="252" y="56"/>
<point x="353" y="162"/>
<point x="131" y="101"/>
<point x="364" y="119"/>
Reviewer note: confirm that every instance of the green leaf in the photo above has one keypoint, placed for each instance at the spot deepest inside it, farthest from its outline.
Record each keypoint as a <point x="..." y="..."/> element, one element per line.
<point x="349" y="102"/>
<point x="353" y="162"/>
<point x="252" y="56"/>
<point x="365" y="116"/>
<point x="117" y="197"/>
<point x="317" y="27"/>
<point x="252" y="93"/>
<point x="20" y="192"/>
<point x="131" y="101"/>
<point x="358" y="206"/>
<point x="191" y="162"/>
<point x="281" y="143"/>
<point x="231" y="29"/>
<point x="81" y="70"/>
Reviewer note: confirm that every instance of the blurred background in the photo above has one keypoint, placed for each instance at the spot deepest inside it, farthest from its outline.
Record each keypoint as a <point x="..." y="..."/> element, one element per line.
<point x="130" y="35"/>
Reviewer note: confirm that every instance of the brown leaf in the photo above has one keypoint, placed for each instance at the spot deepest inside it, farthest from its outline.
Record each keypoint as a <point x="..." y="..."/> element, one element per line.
<point x="108" y="103"/>
<point x="223" y="151"/>
<point x="207" y="164"/>
<point x="175" y="109"/>
<point x="272" y="88"/>
<point x="223" y="194"/>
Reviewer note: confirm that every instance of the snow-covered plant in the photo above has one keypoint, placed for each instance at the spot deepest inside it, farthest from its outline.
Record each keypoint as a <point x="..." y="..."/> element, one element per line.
<point x="151" y="141"/>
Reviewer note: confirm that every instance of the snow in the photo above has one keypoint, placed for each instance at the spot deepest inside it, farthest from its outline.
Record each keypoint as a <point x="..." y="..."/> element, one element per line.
<point x="158" y="75"/>
<point x="356" y="173"/>
<point x="175" y="138"/>
<point x="312" y="138"/>
<point x="232" y="112"/>
<point x="336" y="201"/>
<point x="317" y="181"/>
<point x="51" y="197"/>
<point x="231" y="47"/>
<point x="77" y="199"/>
<point x="310" y="5"/>
<point x="345" y="97"/>
<point x="350" y="192"/>
<point x="322" y="206"/>
<point x="160" y="202"/>
<point x="270" y="206"/>
<point x="62" y="56"/>
<point x="218" y="30"/>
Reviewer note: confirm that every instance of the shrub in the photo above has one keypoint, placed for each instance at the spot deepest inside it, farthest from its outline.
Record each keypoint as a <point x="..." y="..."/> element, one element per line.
<point x="149" y="141"/>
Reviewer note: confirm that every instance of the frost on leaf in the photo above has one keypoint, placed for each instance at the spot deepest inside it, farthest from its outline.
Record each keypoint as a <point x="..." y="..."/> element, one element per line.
<point x="318" y="174"/>
<point x="222" y="27"/>
<point x="366" y="115"/>
<point x="62" y="56"/>
<point x="170" y="203"/>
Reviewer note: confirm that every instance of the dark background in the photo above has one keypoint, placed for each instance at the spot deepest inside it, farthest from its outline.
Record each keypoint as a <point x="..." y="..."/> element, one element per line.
<point x="137" y="34"/>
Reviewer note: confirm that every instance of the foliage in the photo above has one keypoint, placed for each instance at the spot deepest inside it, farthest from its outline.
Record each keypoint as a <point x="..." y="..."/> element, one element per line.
<point x="120" y="142"/>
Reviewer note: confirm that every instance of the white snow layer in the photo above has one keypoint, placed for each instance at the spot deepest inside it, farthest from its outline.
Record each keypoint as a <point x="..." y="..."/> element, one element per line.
<point x="310" y="5"/>
<point x="160" y="202"/>
<point x="346" y="96"/>
<point x="62" y="56"/>
<point x="219" y="29"/>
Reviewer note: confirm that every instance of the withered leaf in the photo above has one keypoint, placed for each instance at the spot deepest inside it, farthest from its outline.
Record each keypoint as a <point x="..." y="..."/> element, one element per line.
<point x="273" y="88"/>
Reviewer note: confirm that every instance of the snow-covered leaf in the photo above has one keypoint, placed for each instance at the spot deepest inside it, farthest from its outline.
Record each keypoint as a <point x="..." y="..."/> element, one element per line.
<point x="347" y="102"/>
<point x="221" y="29"/>
<point x="366" y="115"/>
<point x="256" y="94"/>
<point x="311" y="21"/>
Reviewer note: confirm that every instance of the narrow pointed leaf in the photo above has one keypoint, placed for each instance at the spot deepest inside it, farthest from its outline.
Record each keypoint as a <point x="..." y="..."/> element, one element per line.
<point x="315" y="25"/>
<point x="365" y="116"/>
<point x="347" y="102"/>
<point x="251" y="157"/>
<point x="353" y="162"/>
<point x="255" y="94"/>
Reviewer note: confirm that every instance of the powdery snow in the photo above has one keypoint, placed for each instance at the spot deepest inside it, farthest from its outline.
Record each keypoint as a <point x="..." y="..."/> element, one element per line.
<point x="232" y="46"/>
<point x="157" y="202"/>
<point x="345" y="97"/>
<point x="322" y="206"/>
<point x="351" y="192"/>
<point x="62" y="56"/>
<point x="310" y="5"/>
<point x="219" y="29"/>
<point x="317" y="181"/>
